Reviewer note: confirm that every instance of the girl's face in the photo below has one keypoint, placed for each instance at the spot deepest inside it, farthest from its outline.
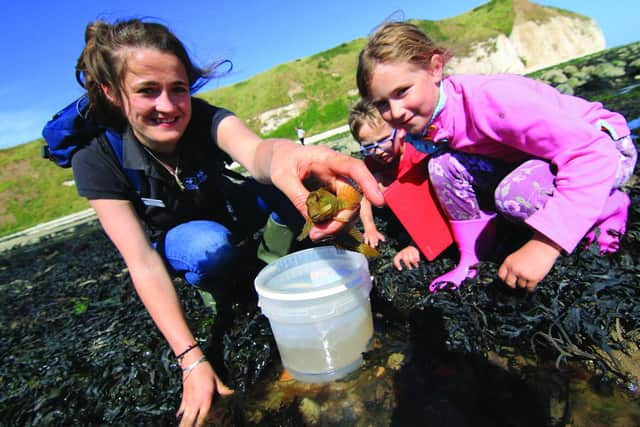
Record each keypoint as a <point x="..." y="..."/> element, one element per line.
<point x="380" y="142"/>
<point x="156" y="96"/>
<point x="405" y="93"/>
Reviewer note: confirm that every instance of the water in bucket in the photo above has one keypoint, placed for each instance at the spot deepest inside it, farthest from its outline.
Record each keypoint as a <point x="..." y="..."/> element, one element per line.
<point x="317" y="303"/>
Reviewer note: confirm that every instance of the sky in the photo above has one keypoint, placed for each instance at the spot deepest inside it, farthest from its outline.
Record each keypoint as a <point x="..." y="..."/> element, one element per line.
<point x="41" y="40"/>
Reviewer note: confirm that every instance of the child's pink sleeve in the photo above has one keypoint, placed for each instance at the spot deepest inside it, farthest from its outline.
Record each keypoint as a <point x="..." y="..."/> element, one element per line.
<point x="536" y="119"/>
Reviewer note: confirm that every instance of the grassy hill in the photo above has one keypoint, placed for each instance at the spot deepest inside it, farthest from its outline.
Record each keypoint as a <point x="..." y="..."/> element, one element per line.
<point x="326" y="80"/>
<point x="34" y="190"/>
<point x="323" y="81"/>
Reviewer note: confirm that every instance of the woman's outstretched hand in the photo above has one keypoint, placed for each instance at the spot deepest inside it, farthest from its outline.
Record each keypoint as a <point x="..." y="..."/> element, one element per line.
<point x="291" y="164"/>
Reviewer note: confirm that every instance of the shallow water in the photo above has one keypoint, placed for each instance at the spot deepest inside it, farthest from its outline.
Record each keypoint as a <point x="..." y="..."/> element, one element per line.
<point x="409" y="378"/>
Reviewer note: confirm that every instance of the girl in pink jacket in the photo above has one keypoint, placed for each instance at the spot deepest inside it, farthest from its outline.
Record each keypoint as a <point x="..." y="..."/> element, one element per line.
<point x="505" y="144"/>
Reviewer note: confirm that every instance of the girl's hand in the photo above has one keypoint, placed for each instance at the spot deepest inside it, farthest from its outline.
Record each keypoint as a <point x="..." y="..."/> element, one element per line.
<point x="410" y="256"/>
<point x="198" y="388"/>
<point x="527" y="266"/>
<point x="373" y="237"/>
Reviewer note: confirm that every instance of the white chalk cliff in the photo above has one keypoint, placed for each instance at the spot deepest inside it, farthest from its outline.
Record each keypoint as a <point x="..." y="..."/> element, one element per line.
<point x="533" y="45"/>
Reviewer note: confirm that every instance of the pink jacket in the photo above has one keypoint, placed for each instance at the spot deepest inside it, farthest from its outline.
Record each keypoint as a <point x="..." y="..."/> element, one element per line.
<point x="515" y="118"/>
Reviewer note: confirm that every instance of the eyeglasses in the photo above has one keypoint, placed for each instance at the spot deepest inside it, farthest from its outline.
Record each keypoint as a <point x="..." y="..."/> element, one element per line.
<point x="369" y="148"/>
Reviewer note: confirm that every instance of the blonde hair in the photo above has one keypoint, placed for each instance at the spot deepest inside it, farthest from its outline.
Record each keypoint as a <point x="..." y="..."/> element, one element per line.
<point x="395" y="42"/>
<point x="363" y="112"/>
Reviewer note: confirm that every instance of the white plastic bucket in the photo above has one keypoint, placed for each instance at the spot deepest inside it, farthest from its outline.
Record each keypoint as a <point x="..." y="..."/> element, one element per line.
<point x="317" y="303"/>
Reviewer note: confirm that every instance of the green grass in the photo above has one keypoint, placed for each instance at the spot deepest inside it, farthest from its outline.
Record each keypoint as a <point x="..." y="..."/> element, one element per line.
<point x="318" y="80"/>
<point x="329" y="75"/>
<point x="33" y="189"/>
<point x="317" y="116"/>
<point x="461" y="32"/>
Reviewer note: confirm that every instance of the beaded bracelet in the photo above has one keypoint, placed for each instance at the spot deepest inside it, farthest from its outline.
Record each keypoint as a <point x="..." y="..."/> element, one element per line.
<point x="181" y="355"/>
<point x="194" y="364"/>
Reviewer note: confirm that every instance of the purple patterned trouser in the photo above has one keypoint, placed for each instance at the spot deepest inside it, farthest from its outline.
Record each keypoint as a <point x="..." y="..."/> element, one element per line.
<point x="467" y="183"/>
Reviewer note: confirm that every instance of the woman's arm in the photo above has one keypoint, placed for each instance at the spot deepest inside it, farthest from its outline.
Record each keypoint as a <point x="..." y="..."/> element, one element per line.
<point x="156" y="291"/>
<point x="286" y="164"/>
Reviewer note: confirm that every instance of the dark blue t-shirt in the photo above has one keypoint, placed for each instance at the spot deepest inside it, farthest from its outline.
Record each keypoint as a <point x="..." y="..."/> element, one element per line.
<point x="160" y="201"/>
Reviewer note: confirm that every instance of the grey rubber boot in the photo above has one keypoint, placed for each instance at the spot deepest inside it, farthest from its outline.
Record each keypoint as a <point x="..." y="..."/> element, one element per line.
<point x="208" y="300"/>
<point x="276" y="241"/>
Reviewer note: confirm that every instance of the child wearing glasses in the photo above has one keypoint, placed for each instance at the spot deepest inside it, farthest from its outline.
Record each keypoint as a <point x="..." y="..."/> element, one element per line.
<point x="503" y="144"/>
<point x="385" y="156"/>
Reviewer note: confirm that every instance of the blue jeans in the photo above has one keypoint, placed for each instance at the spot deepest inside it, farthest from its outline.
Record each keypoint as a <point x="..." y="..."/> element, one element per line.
<point x="203" y="250"/>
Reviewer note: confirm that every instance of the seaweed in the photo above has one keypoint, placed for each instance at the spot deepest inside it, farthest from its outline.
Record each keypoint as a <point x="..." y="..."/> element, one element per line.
<point x="78" y="347"/>
<point x="585" y="308"/>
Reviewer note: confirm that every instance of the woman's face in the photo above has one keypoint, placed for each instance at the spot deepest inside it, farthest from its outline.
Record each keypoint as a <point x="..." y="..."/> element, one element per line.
<point x="156" y="97"/>
<point x="405" y="93"/>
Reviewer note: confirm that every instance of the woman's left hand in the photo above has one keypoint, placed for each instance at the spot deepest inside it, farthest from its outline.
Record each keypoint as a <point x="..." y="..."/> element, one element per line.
<point x="291" y="164"/>
<point x="199" y="387"/>
<point x="527" y="266"/>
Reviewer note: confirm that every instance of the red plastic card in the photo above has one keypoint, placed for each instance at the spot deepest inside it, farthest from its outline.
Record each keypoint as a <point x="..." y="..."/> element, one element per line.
<point x="411" y="199"/>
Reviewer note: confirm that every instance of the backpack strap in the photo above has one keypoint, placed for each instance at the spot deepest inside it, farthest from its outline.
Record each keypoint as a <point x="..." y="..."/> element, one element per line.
<point x="68" y="130"/>
<point x="115" y="141"/>
<point x="111" y="141"/>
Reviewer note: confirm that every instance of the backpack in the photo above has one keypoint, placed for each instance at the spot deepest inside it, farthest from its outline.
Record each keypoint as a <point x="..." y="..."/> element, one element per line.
<point x="72" y="128"/>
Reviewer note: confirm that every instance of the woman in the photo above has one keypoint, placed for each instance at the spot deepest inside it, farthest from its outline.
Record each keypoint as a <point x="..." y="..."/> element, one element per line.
<point x="139" y="80"/>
